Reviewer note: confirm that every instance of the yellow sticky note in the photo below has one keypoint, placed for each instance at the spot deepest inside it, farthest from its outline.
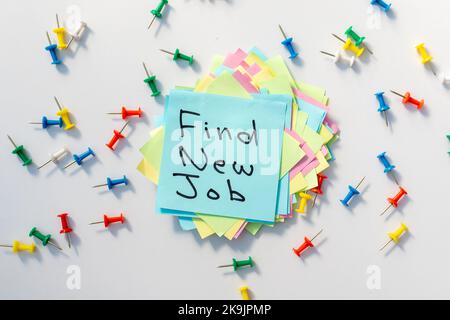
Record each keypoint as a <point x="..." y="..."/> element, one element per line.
<point x="323" y="163"/>
<point x="218" y="224"/>
<point x="326" y="134"/>
<point x="302" y="118"/>
<point x="297" y="184"/>
<point x="280" y="69"/>
<point x="148" y="171"/>
<point x="291" y="154"/>
<point x="217" y="61"/>
<point x="203" y="83"/>
<point x="313" y="139"/>
<point x="226" y="85"/>
<point x="234" y="229"/>
<point x="311" y="179"/>
<point x="203" y="229"/>
<point x="152" y="150"/>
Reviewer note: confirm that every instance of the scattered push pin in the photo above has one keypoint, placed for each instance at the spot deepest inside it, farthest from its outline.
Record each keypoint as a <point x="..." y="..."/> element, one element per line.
<point x="386" y="7"/>
<point x="444" y="79"/>
<point x="318" y="190"/>
<point x="45" y="239"/>
<point x="396" y="235"/>
<point x="388" y="167"/>
<point x="350" y="33"/>
<point x="178" y="55"/>
<point x="64" y="114"/>
<point x="20" y="152"/>
<point x="48" y="123"/>
<point x="304" y="198"/>
<point x="448" y="138"/>
<point x="157" y="12"/>
<point x="351" y="193"/>
<point x="61" y="34"/>
<point x="306" y="244"/>
<point x="350" y="46"/>
<point x="55" y="157"/>
<point x="116" y="137"/>
<point x="128" y="113"/>
<point x="393" y="202"/>
<point x="287" y="42"/>
<point x="78" y="33"/>
<point x="110" y="220"/>
<point x="408" y="99"/>
<point x="111" y="183"/>
<point x="340" y="58"/>
<point x="52" y="49"/>
<point x="239" y="264"/>
<point x="383" y="107"/>
<point x="244" y="293"/>
<point x="79" y="158"/>
<point x="19" y="247"/>
<point x="65" y="228"/>
<point x="425" y="56"/>
<point x="151" y="81"/>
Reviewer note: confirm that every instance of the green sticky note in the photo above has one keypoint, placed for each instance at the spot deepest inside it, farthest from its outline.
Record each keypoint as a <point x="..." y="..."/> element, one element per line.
<point x="291" y="154"/>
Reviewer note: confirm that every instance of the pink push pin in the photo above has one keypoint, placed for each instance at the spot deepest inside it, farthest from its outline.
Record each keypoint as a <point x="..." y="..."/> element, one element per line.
<point x="306" y="245"/>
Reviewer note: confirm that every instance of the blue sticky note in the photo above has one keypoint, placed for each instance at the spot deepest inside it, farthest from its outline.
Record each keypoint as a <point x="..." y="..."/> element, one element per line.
<point x="186" y="223"/>
<point x="221" y="155"/>
<point x="316" y="115"/>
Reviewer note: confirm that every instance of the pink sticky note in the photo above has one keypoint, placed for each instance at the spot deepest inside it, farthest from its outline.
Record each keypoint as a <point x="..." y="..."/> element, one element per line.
<point x="253" y="69"/>
<point x="308" y="168"/>
<point x="306" y="160"/>
<point x="245" y="81"/>
<point x="242" y="228"/>
<point x="233" y="60"/>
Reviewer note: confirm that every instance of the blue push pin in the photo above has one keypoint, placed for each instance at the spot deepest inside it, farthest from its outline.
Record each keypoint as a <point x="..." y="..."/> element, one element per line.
<point x="383" y="106"/>
<point x="52" y="49"/>
<point x="78" y="159"/>
<point x="287" y="42"/>
<point x="388" y="167"/>
<point x="386" y="7"/>
<point x="47" y="123"/>
<point x="111" y="183"/>
<point x="351" y="193"/>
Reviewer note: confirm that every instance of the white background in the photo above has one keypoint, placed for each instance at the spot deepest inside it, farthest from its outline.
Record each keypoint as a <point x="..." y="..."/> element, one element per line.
<point x="150" y="257"/>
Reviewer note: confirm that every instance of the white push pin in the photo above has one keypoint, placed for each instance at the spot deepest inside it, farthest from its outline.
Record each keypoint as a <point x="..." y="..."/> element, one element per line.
<point x="78" y="33"/>
<point x="444" y="79"/>
<point x="55" y="157"/>
<point x="341" y="58"/>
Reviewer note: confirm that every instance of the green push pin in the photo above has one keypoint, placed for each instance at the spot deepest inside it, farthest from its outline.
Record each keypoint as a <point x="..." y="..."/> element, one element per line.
<point x="151" y="82"/>
<point x="45" y="239"/>
<point x="20" y="151"/>
<point x="157" y="12"/>
<point x="238" y="264"/>
<point x="350" y="33"/>
<point x="448" y="137"/>
<point x="178" y="55"/>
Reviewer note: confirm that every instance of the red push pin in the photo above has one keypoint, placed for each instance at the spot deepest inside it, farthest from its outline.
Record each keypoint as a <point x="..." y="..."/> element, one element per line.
<point x="117" y="136"/>
<point x="110" y="220"/>
<point x="395" y="200"/>
<point x="65" y="228"/>
<point x="128" y="113"/>
<point x="408" y="99"/>
<point x="318" y="190"/>
<point x="307" y="244"/>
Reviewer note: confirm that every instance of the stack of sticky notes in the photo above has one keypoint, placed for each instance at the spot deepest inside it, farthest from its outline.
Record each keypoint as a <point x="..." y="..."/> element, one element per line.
<point x="231" y="153"/>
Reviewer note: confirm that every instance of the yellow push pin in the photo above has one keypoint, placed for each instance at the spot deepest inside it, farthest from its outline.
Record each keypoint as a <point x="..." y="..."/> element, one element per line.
<point x="396" y="235"/>
<point x="61" y="34"/>
<point x="304" y="198"/>
<point x="244" y="293"/>
<point x="350" y="46"/>
<point x="18" y="247"/>
<point x="425" y="56"/>
<point x="64" y="114"/>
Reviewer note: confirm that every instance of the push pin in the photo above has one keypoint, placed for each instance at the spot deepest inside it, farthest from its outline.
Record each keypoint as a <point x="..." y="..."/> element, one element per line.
<point x="287" y="42"/>
<point x="425" y="56"/>
<point x="116" y="137"/>
<point x="444" y="79"/>
<point x="45" y="239"/>
<point x="306" y="245"/>
<point x="383" y="107"/>
<point x="348" y="45"/>
<point x="304" y="198"/>
<point x="60" y="33"/>
<point x="318" y="190"/>
<point x="151" y="81"/>
<point x="408" y="99"/>
<point x="64" y="114"/>
<point x="78" y="159"/>
<point x="110" y="220"/>
<point x="396" y="235"/>
<point x="178" y="55"/>
<point x="448" y="138"/>
<point x="48" y="123"/>
<point x="52" y="49"/>
<point x="20" y="152"/>
<point x="244" y="293"/>
<point x="239" y="264"/>
<point x="350" y="33"/>
<point x="111" y="183"/>
<point x="351" y="193"/>
<point x="55" y="157"/>
<point x="128" y="113"/>
<point x="386" y="7"/>
<point x="19" y="247"/>
<point x="78" y="33"/>
<point x="340" y="58"/>
<point x="388" y="167"/>
<point x="395" y="200"/>
<point x="65" y="228"/>
<point x="157" y="12"/>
